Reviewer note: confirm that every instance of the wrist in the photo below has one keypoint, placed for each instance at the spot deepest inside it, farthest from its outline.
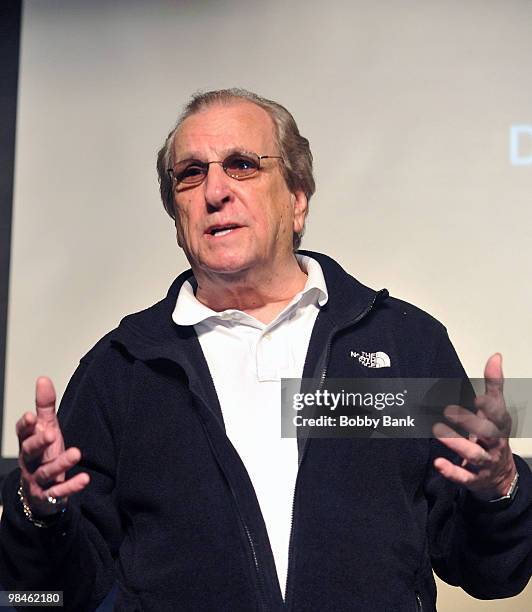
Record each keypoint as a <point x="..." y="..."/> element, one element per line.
<point x="500" y="489"/>
<point x="41" y="521"/>
<point x="511" y="490"/>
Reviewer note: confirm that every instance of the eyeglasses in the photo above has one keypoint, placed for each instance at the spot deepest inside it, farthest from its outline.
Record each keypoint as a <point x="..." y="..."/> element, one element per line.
<point x="239" y="166"/>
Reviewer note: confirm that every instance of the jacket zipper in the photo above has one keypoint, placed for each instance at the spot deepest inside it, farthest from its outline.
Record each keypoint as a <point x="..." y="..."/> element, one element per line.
<point x="418" y="602"/>
<point x="249" y="539"/>
<point x="323" y="375"/>
<point x="262" y="597"/>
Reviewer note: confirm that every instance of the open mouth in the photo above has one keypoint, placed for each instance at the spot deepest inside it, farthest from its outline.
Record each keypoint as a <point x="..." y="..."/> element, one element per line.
<point x="221" y="230"/>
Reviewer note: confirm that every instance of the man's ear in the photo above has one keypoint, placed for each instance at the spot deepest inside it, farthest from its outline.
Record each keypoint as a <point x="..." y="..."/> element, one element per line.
<point x="300" y="204"/>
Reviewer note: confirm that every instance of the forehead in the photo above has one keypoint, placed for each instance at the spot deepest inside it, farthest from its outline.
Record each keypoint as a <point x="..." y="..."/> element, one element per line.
<point x="223" y="127"/>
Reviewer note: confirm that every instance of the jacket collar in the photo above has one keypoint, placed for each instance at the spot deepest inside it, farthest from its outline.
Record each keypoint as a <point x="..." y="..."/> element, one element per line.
<point x="348" y="298"/>
<point x="152" y="334"/>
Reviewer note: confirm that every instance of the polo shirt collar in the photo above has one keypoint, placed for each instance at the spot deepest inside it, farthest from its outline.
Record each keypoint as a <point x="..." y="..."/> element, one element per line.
<point x="190" y="311"/>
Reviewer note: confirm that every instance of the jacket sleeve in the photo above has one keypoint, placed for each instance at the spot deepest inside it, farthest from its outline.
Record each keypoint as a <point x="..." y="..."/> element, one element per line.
<point x="77" y="553"/>
<point x="484" y="548"/>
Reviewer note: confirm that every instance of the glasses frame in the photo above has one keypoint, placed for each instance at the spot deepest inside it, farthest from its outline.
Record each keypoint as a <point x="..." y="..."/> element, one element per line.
<point x="259" y="158"/>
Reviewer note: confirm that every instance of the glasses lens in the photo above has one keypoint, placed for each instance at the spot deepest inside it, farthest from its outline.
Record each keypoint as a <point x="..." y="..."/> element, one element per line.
<point x="241" y="165"/>
<point x="190" y="173"/>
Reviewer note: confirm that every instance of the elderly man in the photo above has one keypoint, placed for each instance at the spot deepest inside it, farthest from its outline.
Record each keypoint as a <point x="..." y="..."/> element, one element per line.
<point x="165" y="472"/>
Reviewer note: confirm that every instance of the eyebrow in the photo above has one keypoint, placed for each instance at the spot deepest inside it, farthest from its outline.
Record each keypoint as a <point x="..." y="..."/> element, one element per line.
<point x="195" y="156"/>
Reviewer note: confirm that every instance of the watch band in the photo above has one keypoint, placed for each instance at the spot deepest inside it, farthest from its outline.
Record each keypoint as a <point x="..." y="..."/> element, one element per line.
<point x="511" y="491"/>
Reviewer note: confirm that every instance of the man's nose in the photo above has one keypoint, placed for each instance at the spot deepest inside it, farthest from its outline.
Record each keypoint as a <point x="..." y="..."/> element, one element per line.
<point x="217" y="186"/>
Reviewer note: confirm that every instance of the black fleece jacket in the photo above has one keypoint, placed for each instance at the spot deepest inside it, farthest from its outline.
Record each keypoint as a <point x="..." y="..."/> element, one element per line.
<point x="171" y="515"/>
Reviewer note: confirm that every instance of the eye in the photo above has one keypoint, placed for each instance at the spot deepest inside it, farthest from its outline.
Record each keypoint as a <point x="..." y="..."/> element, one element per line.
<point x="191" y="174"/>
<point x="241" y="166"/>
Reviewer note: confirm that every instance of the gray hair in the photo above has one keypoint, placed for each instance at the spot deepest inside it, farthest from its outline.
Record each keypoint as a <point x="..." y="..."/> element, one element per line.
<point x="293" y="148"/>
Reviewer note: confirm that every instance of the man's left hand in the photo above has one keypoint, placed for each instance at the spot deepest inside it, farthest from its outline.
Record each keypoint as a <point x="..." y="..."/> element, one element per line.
<point x="488" y="467"/>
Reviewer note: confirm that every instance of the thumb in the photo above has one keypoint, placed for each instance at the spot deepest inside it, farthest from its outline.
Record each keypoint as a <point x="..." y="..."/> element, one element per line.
<point x="45" y="399"/>
<point x="493" y="376"/>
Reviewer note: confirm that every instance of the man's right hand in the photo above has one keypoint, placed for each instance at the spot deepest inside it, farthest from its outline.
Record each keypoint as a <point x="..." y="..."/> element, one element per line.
<point x="43" y="459"/>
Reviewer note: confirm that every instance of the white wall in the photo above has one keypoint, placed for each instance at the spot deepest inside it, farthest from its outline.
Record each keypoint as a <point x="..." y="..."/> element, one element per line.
<point x="408" y="107"/>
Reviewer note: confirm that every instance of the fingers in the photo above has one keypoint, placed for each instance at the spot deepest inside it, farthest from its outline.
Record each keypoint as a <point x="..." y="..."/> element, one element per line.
<point x="34" y="446"/>
<point x="26" y="426"/>
<point x="54" y="471"/>
<point x="37" y="497"/>
<point x="492" y="403"/>
<point x="45" y="405"/>
<point x="487" y="464"/>
<point x="491" y="406"/>
<point x="49" y="480"/>
<point x="473" y="423"/>
<point x="494" y="409"/>
<point x="472" y="452"/>
<point x="457" y="474"/>
<point x="45" y="399"/>
<point x="493" y="376"/>
<point x="71" y="486"/>
<point x="42" y="459"/>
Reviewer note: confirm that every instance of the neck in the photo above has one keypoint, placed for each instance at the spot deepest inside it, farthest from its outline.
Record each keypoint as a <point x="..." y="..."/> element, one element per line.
<point x="262" y="296"/>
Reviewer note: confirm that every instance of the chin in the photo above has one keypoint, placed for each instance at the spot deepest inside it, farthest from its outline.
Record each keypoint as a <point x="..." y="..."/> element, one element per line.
<point x="225" y="264"/>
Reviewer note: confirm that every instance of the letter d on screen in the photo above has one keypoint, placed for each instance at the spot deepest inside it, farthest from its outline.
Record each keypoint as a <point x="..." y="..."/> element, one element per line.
<point x="517" y="135"/>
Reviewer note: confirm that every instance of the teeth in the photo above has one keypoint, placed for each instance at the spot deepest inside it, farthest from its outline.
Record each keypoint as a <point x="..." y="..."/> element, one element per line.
<point x="222" y="232"/>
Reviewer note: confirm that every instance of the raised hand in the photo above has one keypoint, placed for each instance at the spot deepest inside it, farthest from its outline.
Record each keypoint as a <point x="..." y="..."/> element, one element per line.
<point x="488" y="467"/>
<point x="43" y="459"/>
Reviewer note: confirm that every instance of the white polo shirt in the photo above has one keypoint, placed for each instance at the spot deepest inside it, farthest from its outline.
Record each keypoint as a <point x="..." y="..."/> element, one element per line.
<point x="247" y="360"/>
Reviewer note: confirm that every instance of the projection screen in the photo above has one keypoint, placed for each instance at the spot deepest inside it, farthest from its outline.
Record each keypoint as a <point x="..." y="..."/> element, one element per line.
<point x="419" y="115"/>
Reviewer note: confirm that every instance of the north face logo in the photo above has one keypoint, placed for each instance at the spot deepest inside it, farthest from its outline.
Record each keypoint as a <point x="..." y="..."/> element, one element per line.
<point x="372" y="360"/>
